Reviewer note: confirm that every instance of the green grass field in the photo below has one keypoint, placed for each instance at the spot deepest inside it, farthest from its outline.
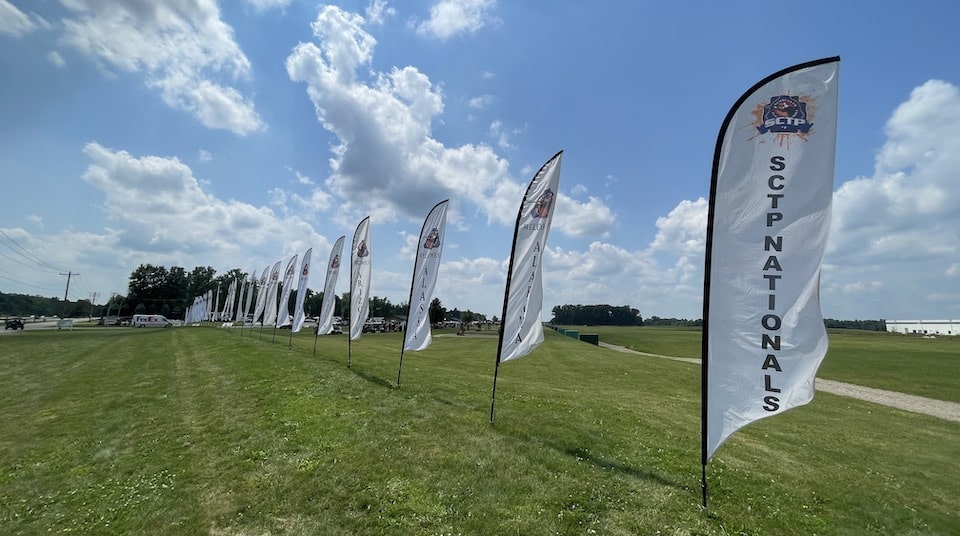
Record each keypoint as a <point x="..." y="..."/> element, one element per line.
<point x="203" y="431"/>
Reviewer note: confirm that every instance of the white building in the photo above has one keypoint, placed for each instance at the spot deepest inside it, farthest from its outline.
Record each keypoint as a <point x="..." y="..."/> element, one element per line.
<point x="924" y="327"/>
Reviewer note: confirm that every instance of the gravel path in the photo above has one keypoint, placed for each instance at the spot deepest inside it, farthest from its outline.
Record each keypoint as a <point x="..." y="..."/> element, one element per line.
<point x="915" y="404"/>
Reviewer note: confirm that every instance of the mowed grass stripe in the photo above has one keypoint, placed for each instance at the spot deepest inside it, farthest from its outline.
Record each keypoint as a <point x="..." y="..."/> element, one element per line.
<point x="205" y="431"/>
<point x="79" y="434"/>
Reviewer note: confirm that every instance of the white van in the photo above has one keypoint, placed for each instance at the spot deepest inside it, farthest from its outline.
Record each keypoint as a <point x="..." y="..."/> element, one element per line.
<point x="150" y="321"/>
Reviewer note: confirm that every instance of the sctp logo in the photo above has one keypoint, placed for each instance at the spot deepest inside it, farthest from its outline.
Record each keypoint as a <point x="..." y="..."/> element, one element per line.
<point x="785" y="114"/>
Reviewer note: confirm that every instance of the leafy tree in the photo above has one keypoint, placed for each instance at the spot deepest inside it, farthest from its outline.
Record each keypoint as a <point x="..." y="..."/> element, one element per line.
<point x="312" y="302"/>
<point x="147" y="287"/>
<point x="224" y="281"/>
<point x="118" y="305"/>
<point x="176" y="287"/>
<point x="380" y="307"/>
<point x="437" y="312"/>
<point x="200" y="281"/>
<point x="343" y="306"/>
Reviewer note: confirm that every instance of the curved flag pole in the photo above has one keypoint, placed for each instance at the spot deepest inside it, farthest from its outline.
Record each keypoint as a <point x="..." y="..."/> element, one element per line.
<point x="437" y="242"/>
<point x="718" y="160"/>
<point x="506" y="300"/>
<point x="400" y="368"/>
<point x="534" y="182"/>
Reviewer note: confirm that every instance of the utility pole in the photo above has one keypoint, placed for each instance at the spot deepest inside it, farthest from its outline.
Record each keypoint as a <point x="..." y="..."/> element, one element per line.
<point x="93" y="299"/>
<point x="67" y="291"/>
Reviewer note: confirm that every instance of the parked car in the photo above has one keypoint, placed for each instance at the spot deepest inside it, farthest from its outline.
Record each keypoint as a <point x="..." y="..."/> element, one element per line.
<point x="14" y="324"/>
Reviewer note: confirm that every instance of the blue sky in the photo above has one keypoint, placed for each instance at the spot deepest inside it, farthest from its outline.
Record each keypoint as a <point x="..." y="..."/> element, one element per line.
<point x="235" y="134"/>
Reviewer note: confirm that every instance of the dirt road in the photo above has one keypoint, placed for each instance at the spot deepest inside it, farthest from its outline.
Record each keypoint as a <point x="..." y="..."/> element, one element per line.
<point x="915" y="404"/>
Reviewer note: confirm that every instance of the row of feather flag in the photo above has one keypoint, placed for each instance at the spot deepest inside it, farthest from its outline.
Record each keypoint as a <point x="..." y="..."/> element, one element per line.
<point x="769" y="212"/>
<point x="273" y="291"/>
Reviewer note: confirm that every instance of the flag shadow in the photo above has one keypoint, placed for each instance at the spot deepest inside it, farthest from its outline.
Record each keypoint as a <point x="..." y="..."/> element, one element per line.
<point x="373" y="379"/>
<point x="613" y="465"/>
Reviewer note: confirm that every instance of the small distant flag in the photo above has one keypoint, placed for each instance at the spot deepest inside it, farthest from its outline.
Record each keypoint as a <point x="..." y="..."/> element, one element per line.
<point x="283" y="316"/>
<point x="360" y="269"/>
<point x="270" y="302"/>
<point x="298" y="314"/>
<point x="325" y="324"/>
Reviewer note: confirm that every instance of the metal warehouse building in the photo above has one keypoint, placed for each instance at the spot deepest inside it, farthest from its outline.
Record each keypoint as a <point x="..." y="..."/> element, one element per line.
<point x="924" y="327"/>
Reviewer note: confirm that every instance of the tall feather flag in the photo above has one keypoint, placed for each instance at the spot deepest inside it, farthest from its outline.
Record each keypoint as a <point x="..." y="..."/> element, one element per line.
<point x="243" y="289"/>
<point x="251" y="287"/>
<point x="360" y="269"/>
<point x="329" y="300"/>
<point x="416" y="335"/>
<point x="767" y="226"/>
<point x="325" y="323"/>
<point x="261" y="295"/>
<point x="226" y="301"/>
<point x="237" y="303"/>
<point x="251" y="284"/>
<point x="227" y="313"/>
<point x="283" y="310"/>
<point x="298" y="314"/>
<point x="270" y="301"/>
<point x="520" y="328"/>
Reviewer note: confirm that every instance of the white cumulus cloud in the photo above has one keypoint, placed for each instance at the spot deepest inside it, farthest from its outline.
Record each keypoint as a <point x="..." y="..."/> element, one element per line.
<point x="182" y="48"/>
<point x="453" y="17"/>
<point x="387" y="161"/>
<point x="163" y="213"/>
<point x="901" y="226"/>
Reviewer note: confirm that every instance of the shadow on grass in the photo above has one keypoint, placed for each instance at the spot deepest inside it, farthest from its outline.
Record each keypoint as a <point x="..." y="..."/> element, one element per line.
<point x="613" y="465"/>
<point x="582" y="454"/>
<point x="373" y="379"/>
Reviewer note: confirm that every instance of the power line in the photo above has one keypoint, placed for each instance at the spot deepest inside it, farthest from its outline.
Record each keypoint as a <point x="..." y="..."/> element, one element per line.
<point x="25" y="265"/>
<point x="84" y="285"/>
<point x="23" y="282"/>
<point x="27" y="254"/>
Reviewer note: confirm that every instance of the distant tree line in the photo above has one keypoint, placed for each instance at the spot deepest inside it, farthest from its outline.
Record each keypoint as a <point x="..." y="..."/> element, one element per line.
<point x="155" y="289"/>
<point x="24" y="306"/>
<point x="159" y="290"/>
<point x="868" y="325"/>
<point x="657" y="321"/>
<point x="596" y="315"/>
